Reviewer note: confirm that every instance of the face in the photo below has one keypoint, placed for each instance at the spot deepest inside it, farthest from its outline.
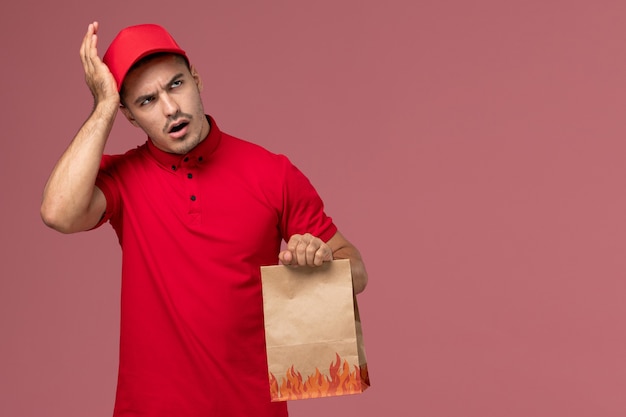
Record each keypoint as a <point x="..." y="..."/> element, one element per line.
<point x="162" y="97"/>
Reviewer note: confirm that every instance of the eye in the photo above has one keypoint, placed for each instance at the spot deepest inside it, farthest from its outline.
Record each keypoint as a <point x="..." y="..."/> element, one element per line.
<point x="177" y="83"/>
<point x="146" y="101"/>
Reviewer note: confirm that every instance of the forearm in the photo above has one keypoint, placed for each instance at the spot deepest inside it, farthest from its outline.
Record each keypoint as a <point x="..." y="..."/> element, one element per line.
<point x="69" y="192"/>
<point x="342" y="249"/>
<point x="357" y="266"/>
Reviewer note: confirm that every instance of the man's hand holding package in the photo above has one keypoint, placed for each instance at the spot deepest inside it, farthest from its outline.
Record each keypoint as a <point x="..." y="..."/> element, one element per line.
<point x="305" y="250"/>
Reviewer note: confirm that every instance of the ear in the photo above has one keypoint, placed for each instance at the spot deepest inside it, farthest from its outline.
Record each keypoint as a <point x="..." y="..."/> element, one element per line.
<point x="129" y="115"/>
<point x="196" y="77"/>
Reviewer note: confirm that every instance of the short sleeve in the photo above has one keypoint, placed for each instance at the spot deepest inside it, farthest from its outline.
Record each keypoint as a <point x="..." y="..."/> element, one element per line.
<point x="105" y="181"/>
<point x="303" y="208"/>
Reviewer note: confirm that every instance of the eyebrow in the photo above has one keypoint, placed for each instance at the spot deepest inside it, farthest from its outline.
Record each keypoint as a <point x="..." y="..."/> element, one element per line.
<point x="143" y="97"/>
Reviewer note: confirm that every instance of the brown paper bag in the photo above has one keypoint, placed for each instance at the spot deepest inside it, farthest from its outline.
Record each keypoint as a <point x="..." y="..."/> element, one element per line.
<point x="312" y="332"/>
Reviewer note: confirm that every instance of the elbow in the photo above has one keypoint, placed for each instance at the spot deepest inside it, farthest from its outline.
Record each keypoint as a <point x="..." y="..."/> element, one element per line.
<point x="54" y="219"/>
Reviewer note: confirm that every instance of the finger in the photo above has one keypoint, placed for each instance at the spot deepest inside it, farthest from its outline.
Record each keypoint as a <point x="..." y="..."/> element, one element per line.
<point x="315" y="252"/>
<point x="92" y="48"/>
<point x="320" y="256"/>
<point x="308" y="250"/>
<point x="321" y="253"/>
<point x="83" y="45"/>
<point x="312" y="246"/>
<point x="94" y="40"/>
<point x="293" y="242"/>
<point x="292" y="248"/>
<point x="311" y="251"/>
<point x="87" y="48"/>
<point x="300" y="252"/>
<point x="285" y="257"/>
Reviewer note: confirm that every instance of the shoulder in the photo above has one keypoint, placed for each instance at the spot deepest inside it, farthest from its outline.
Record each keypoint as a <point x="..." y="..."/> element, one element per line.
<point x="243" y="145"/>
<point x="252" y="154"/>
<point x="117" y="161"/>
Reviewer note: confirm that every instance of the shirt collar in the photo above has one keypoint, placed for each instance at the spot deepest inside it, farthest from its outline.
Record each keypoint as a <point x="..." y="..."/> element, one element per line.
<point x="202" y="151"/>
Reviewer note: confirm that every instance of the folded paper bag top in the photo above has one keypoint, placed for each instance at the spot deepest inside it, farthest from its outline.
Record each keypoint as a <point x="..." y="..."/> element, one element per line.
<point x="312" y="332"/>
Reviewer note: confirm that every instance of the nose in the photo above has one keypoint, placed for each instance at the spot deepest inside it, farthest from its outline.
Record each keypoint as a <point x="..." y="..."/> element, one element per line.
<point x="170" y="106"/>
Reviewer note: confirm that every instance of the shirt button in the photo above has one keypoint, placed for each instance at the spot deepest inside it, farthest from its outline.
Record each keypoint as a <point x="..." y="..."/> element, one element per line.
<point x="173" y="167"/>
<point x="189" y="175"/>
<point x="200" y="159"/>
<point x="193" y="198"/>
<point x="186" y="159"/>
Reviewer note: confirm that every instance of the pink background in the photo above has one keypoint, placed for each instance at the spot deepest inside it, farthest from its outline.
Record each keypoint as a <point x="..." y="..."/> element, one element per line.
<point x="473" y="150"/>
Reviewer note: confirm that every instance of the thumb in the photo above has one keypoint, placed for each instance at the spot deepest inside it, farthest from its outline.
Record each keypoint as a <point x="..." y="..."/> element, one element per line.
<point x="285" y="257"/>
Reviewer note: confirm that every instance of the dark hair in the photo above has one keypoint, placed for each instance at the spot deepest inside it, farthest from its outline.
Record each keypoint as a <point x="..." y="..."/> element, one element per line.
<point x="147" y="59"/>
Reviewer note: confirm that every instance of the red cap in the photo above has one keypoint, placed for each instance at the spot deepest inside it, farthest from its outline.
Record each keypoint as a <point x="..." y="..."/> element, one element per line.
<point x="135" y="43"/>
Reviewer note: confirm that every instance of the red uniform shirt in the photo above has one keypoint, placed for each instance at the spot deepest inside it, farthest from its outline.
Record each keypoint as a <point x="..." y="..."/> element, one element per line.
<point x="194" y="230"/>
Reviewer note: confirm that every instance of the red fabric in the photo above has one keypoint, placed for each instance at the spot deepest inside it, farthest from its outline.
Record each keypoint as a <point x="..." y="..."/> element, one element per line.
<point x="134" y="43"/>
<point x="192" y="340"/>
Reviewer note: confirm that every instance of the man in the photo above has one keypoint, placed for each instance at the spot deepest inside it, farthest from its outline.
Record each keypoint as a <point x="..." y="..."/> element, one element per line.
<point x="197" y="212"/>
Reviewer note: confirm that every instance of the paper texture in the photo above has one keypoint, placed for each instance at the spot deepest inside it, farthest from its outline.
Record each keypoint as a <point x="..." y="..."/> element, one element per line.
<point x="313" y="332"/>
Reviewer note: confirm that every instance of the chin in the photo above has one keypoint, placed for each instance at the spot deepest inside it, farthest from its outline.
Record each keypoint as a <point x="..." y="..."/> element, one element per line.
<point x="186" y="145"/>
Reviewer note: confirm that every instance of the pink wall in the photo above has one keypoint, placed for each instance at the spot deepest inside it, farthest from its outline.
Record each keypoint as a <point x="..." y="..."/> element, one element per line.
<point x="473" y="150"/>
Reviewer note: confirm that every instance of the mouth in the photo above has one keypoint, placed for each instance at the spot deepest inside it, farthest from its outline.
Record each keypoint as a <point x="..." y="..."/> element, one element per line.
<point x="178" y="129"/>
